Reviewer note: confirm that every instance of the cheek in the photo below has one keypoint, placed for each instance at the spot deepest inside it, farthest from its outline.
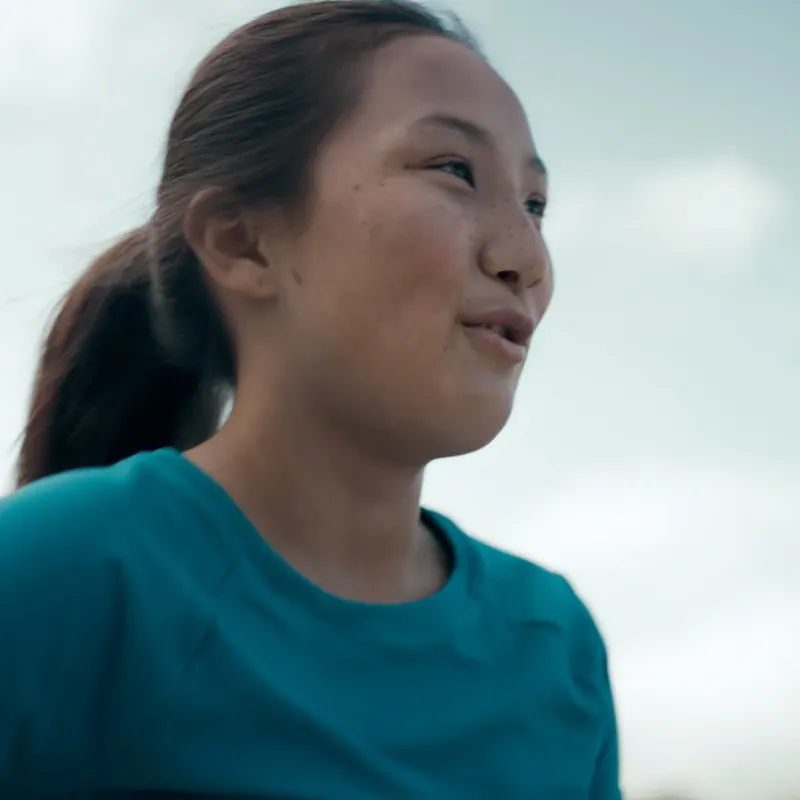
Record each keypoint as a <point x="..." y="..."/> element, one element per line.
<point x="419" y="256"/>
<point x="402" y="263"/>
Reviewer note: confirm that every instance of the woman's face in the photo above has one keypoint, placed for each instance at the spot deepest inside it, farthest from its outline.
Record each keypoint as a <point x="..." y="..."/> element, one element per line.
<point x="409" y="299"/>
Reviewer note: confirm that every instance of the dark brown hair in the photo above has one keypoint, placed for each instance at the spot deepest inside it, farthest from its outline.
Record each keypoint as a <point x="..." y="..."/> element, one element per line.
<point x="138" y="356"/>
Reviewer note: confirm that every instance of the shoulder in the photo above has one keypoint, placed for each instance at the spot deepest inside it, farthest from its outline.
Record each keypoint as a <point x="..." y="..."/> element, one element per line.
<point x="549" y="620"/>
<point x="525" y="593"/>
<point x="82" y="493"/>
<point x="89" y="614"/>
<point x="144" y="512"/>
<point x="88" y="544"/>
<point x="64" y="523"/>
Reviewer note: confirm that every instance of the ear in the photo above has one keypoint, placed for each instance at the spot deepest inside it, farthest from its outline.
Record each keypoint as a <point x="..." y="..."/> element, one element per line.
<point x="230" y="242"/>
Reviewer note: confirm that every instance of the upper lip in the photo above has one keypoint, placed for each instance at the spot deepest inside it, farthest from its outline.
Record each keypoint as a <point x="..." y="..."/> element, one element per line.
<point x="517" y="326"/>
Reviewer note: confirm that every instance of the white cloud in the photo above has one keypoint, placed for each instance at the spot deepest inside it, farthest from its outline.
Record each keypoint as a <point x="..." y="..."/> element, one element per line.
<point x="65" y="47"/>
<point x="638" y="512"/>
<point x="714" y="709"/>
<point x="48" y="43"/>
<point x="713" y="212"/>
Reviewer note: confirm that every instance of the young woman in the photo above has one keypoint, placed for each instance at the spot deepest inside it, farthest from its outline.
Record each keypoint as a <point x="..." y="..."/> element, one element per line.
<point x="347" y="241"/>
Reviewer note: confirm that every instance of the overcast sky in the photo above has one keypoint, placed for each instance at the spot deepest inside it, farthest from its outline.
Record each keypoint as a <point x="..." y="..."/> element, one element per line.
<point x="654" y="454"/>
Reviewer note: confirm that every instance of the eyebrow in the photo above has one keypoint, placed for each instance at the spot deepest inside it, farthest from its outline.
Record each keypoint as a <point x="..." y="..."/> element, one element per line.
<point x="474" y="132"/>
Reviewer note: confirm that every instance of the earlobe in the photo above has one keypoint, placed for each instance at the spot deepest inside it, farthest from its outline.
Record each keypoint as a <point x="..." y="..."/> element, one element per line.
<point x="229" y="245"/>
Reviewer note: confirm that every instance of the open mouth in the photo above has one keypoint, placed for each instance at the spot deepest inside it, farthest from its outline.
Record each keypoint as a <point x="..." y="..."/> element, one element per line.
<point x="498" y="341"/>
<point x="504" y="331"/>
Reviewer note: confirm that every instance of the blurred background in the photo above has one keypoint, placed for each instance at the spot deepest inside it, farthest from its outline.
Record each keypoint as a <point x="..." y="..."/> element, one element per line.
<point x="654" y="454"/>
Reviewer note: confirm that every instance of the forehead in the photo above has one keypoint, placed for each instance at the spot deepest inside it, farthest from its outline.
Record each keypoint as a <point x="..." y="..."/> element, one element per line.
<point x="418" y="76"/>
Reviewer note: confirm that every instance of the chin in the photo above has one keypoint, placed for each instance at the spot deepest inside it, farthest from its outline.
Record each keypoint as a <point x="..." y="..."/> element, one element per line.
<point x="463" y="433"/>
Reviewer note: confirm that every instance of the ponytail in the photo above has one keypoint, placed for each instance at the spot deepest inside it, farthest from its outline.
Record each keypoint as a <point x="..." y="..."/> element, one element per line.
<point x="106" y="386"/>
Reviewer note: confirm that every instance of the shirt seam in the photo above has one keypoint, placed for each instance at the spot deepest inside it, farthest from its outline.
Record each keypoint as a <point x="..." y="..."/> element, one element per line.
<point x="148" y="727"/>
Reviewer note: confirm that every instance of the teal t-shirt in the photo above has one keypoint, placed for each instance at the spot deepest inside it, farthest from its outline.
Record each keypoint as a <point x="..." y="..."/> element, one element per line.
<point x="152" y="642"/>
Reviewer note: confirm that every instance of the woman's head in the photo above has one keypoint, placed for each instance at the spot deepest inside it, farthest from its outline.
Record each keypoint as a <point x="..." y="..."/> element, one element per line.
<point x="350" y="199"/>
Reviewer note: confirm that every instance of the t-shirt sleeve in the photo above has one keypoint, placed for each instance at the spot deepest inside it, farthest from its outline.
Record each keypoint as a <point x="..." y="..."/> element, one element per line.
<point x="62" y="613"/>
<point x="590" y="665"/>
<point x="605" y="784"/>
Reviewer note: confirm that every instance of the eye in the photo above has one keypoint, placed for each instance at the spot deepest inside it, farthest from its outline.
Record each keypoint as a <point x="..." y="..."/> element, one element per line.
<point x="536" y="207"/>
<point x="459" y="169"/>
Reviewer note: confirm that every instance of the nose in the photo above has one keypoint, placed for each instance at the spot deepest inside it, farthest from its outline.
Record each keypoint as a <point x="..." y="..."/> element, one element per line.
<point x="515" y="252"/>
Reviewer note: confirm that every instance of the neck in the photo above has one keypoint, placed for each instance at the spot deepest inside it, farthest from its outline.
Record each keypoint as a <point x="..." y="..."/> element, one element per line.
<point x="346" y="519"/>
